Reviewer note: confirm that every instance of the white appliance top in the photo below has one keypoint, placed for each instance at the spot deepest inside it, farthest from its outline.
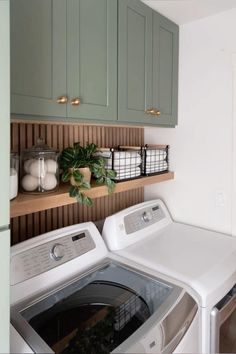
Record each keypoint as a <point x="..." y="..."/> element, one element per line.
<point x="204" y="260"/>
<point x="54" y="258"/>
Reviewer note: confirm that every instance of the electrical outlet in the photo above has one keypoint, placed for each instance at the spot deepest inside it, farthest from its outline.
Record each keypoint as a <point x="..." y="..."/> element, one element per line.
<point x="220" y="199"/>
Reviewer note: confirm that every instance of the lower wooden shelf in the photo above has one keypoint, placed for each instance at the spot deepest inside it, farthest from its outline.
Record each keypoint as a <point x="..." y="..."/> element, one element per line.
<point x="27" y="203"/>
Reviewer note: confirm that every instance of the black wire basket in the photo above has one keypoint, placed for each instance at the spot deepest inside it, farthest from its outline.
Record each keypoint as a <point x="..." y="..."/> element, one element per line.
<point x="155" y="159"/>
<point x="125" y="160"/>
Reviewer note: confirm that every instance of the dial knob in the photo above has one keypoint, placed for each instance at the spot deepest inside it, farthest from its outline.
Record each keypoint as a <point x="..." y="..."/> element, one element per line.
<point x="147" y="216"/>
<point x="57" y="252"/>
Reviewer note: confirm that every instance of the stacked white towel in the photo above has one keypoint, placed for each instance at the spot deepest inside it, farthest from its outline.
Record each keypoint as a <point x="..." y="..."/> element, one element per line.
<point x="155" y="161"/>
<point x="122" y="159"/>
<point x="158" y="167"/>
<point x="128" y="173"/>
<point x="125" y="163"/>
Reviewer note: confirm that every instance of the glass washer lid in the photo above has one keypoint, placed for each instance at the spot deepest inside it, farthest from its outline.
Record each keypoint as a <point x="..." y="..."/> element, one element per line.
<point x="94" y="314"/>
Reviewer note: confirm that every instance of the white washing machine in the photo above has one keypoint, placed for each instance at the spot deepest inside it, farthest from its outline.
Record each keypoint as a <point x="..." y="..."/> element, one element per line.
<point x="69" y="295"/>
<point x="204" y="261"/>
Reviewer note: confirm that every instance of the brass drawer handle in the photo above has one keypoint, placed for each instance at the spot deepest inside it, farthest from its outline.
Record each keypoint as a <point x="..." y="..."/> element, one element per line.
<point x="62" y="99"/>
<point x="75" y="101"/>
<point x="150" y="111"/>
<point x="157" y="113"/>
<point x="153" y="112"/>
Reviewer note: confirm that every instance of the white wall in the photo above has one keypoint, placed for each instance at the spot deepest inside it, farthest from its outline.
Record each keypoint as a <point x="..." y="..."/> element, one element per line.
<point x="201" y="147"/>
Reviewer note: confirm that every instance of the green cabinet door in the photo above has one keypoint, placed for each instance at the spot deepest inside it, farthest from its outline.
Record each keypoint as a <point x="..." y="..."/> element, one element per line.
<point x="4" y="113"/>
<point x="92" y="58"/>
<point x="147" y="66"/>
<point x="134" y="61"/>
<point x="165" y="70"/>
<point x="5" y="292"/>
<point x="38" y="57"/>
<point x="5" y="173"/>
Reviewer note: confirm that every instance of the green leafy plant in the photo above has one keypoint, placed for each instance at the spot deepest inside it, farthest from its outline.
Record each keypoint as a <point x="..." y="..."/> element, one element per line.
<point x="72" y="159"/>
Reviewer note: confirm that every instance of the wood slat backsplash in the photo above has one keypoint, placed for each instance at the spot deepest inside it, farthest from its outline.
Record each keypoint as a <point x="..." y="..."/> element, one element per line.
<point x="58" y="136"/>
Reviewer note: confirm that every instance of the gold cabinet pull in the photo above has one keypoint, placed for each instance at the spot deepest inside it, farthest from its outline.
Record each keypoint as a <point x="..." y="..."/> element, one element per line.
<point x="153" y="112"/>
<point x="62" y="99"/>
<point x="75" y="101"/>
<point x="150" y="111"/>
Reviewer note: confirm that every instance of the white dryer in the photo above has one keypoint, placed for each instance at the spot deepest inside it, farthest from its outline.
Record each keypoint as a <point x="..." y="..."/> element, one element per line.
<point x="204" y="261"/>
<point x="68" y="295"/>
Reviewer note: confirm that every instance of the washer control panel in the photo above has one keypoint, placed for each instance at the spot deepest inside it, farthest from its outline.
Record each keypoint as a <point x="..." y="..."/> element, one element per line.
<point x="39" y="259"/>
<point x="143" y="218"/>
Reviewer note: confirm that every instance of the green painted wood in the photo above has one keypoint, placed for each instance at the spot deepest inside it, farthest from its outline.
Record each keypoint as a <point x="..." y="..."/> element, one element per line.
<point x="5" y="173"/>
<point x="4" y="112"/>
<point x="147" y="65"/>
<point x="134" y="61"/>
<point x="38" y="56"/>
<point x="92" y="58"/>
<point x="5" y="292"/>
<point x="165" y="69"/>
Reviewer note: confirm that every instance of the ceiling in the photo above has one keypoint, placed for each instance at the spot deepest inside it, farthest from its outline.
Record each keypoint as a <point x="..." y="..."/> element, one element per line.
<point x="184" y="11"/>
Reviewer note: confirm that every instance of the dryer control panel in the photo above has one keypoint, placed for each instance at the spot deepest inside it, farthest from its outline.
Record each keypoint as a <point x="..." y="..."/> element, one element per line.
<point x="140" y="219"/>
<point x="42" y="258"/>
<point x="135" y="223"/>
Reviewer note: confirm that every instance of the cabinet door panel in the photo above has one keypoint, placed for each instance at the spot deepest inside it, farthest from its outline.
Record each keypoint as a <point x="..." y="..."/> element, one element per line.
<point x="165" y="69"/>
<point x="92" y="58"/>
<point x="135" y="61"/>
<point x="4" y="112"/>
<point x="38" y="56"/>
<point x="5" y="291"/>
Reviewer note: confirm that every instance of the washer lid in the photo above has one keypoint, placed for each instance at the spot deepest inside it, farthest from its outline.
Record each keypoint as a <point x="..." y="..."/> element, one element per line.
<point x="204" y="260"/>
<point x="98" y="311"/>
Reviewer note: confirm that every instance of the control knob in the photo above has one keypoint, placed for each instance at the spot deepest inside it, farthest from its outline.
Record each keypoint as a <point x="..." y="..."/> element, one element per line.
<point x="147" y="216"/>
<point x="57" y="252"/>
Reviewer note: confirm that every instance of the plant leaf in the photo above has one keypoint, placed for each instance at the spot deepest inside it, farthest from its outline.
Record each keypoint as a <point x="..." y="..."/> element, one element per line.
<point x="85" y="185"/>
<point x="110" y="185"/>
<point x="88" y="201"/>
<point x="111" y="173"/>
<point x="100" y="180"/>
<point x="66" y="176"/>
<point x="77" y="176"/>
<point x="73" y="192"/>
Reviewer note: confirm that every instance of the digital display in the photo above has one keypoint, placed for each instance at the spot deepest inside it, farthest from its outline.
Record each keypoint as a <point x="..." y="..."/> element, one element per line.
<point x="155" y="208"/>
<point x="78" y="237"/>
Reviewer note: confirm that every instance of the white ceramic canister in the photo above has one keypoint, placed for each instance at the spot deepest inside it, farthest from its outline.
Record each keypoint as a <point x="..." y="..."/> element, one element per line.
<point x="39" y="169"/>
<point x="14" y="173"/>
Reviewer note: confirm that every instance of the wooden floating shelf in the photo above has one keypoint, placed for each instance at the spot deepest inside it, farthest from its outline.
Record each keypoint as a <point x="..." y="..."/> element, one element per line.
<point x="27" y="203"/>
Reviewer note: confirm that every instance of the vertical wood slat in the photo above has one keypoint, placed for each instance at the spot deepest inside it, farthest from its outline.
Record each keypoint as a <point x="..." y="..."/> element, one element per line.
<point x="58" y="136"/>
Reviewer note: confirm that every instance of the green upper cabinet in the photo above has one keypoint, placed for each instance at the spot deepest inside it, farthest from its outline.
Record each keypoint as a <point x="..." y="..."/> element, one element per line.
<point x="165" y="70"/>
<point x="92" y="59"/>
<point x="134" y="61"/>
<point x="98" y="60"/>
<point x="62" y="51"/>
<point x="4" y="114"/>
<point x="38" y="57"/>
<point x="147" y="66"/>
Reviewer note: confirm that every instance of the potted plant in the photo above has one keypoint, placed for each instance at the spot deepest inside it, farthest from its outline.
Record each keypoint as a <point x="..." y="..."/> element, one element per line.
<point x="78" y="164"/>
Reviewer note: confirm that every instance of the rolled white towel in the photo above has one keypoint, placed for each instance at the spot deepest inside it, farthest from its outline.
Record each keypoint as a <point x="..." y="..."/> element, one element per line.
<point x="153" y="168"/>
<point x="128" y="173"/>
<point x="124" y="162"/>
<point x="152" y="159"/>
<point x="121" y="158"/>
<point x="155" y="155"/>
